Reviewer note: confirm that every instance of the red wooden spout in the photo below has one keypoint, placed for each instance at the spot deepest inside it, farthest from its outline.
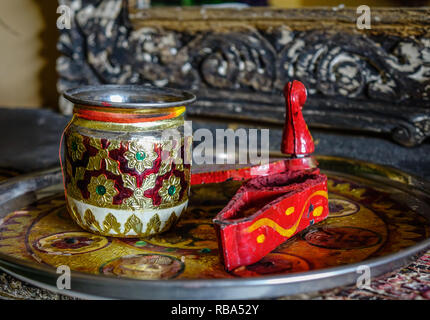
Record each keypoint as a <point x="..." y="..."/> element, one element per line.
<point x="296" y="138"/>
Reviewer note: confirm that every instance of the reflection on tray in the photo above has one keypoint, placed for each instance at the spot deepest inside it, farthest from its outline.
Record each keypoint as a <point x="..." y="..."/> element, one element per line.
<point x="363" y="223"/>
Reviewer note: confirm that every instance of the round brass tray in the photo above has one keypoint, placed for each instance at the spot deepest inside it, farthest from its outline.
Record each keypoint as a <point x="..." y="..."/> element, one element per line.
<point x="379" y="218"/>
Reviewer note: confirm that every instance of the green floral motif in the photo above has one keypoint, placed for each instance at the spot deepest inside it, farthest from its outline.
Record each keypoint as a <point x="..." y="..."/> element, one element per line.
<point x="102" y="190"/>
<point x="75" y="146"/>
<point x="140" y="156"/>
<point x="170" y="190"/>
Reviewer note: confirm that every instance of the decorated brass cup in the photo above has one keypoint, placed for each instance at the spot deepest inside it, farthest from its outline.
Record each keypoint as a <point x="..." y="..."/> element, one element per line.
<point x="127" y="160"/>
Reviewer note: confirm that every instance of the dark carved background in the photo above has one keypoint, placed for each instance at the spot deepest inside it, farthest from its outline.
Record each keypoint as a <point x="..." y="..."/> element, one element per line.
<point x="237" y="61"/>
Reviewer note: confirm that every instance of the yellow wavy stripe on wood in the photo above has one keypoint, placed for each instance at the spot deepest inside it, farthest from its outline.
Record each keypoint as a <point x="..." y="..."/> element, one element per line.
<point x="285" y="232"/>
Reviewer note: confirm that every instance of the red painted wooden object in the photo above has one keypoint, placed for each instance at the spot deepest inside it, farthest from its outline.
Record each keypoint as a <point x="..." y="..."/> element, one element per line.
<point x="246" y="173"/>
<point x="266" y="211"/>
<point x="296" y="138"/>
<point x="285" y="198"/>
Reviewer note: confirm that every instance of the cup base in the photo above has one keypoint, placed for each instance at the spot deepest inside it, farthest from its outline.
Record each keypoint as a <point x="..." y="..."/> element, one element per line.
<point x="124" y="223"/>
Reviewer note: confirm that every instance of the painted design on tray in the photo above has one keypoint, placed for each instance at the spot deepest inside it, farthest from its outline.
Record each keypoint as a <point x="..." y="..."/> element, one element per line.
<point x="342" y="238"/>
<point x="340" y="208"/>
<point x="144" y="266"/>
<point x="274" y="263"/>
<point x="69" y="243"/>
<point x="188" y="235"/>
<point x="191" y="246"/>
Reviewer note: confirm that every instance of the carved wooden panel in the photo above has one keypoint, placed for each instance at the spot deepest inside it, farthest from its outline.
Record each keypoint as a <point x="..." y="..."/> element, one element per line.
<point x="237" y="61"/>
